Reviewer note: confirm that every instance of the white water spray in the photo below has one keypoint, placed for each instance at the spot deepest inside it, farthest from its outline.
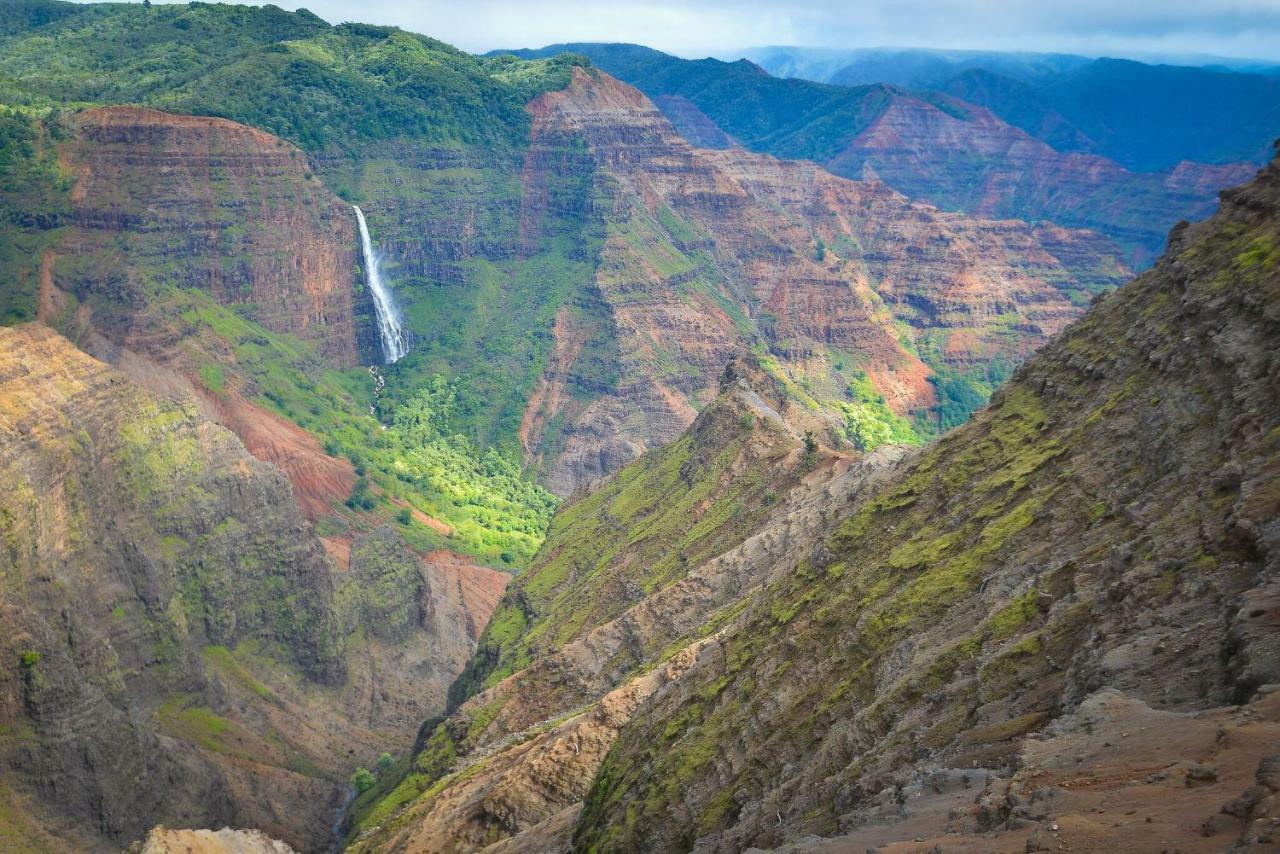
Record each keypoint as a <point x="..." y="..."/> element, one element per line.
<point x="390" y="326"/>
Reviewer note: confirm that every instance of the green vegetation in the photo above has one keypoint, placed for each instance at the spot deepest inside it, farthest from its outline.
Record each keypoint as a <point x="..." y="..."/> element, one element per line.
<point x="787" y="118"/>
<point x="643" y="529"/>
<point x="363" y="780"/>
<point x="869" y="422"/>
<point x="287" y="72"/>
<point x="33" y="204"/>
<point x="964" y="507"/>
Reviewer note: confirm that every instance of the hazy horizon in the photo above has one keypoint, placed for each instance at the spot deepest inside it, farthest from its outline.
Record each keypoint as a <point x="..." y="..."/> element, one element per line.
<point x="1241" y="30"/>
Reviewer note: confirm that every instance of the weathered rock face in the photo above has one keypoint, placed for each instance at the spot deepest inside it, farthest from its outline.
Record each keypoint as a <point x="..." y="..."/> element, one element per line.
<point x="968" y="159"/>
<point x="710" y="252"/>
<point x="225" y="841"/>
<point x="964" y="645"/>
<point x="715" y="513"/>
<point x="162" y="203"/>
<point x="161" y="199"/>
<point x="176" y="645"/>
<point x="1001" y="578"/>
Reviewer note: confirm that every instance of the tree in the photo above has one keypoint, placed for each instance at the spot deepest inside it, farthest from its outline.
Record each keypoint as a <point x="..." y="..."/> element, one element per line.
<point x="384" y="764"/>
<point x="363" y="780"/>
<point x="810" y="450"/>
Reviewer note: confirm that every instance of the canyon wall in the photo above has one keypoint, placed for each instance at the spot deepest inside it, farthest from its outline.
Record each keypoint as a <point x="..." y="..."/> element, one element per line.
<point x="1005" y="640"/>
<point x="711" y="252"/>
<point x="178" y="647"/>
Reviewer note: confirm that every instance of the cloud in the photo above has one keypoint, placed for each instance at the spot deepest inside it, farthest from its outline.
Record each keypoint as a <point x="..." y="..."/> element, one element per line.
<point x="1248" y="28"/>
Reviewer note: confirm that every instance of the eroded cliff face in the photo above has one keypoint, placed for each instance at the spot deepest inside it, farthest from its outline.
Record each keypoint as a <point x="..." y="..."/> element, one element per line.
<point x="211" y="204"/>
<point x="1031" y="634"/>
<point x="1098" y="546"/>
<point x="184" y="231"/>
<point x="570" y="654"/>
<point x="711" y="251"/>
<point x="967" y="159"/>
<point x="177" y="647"/>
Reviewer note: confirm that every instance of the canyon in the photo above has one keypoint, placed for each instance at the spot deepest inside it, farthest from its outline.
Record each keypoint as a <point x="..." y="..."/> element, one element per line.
<point x="966" y="144"/>
<point x="602" y="475"/>
<point x="988" y="644"/>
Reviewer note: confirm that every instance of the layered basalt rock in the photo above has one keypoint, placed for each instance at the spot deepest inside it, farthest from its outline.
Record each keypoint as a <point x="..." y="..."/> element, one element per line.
<point x="1011" y="575"/>
<point x="1039" y="632"/>
<point x="168" y="200"/>
<point x="177" y="648"/>
<point x="710" y="252"/>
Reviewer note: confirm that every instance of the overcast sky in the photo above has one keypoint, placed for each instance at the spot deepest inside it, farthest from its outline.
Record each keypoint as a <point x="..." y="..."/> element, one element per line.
<point x="1244" y="28"/>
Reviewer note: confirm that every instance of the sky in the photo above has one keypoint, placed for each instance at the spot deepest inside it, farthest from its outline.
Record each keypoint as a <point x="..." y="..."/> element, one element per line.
<point x="1240" y="28"/>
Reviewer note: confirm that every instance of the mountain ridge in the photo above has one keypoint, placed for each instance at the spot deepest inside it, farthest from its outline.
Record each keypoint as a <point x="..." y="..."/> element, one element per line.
<point x="969" y="594"/>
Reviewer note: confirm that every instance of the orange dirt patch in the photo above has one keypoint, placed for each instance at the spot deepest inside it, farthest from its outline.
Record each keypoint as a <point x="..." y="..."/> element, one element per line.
<point x="49" y="302"/>
<point x="478" y="587"/>
<point x="431" y="522"/>
<point x="339" y="548"/>
<point x="318" y="479"/>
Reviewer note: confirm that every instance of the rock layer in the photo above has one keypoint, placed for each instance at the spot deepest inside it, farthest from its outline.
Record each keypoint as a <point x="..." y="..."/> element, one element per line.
<point x="176" y="645"/>
<point x="211" y="204"/>
<point x="985" y="644"/>
<point x="710" y="252"/>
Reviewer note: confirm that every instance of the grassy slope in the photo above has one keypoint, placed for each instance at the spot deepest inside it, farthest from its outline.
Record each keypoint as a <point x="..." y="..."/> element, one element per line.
<point x="1044" y="485"/>
<point x="336" y="91"/>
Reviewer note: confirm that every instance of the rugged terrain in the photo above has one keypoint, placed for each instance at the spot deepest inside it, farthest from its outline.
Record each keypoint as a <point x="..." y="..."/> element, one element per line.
<point x="239" y="562"/>
<point x="572" y="267"/>
<point x="178" y="647"/>
<point x="1054" y="628"/>
<point x="972" y="145"/>
<point x="859" y="295"/>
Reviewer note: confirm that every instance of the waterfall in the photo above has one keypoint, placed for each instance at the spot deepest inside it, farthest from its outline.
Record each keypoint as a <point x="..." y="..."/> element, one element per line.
<point x="390" y="326"/>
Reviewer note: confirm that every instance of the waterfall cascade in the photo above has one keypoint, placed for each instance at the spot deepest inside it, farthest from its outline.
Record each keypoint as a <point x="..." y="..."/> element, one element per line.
<point x="390" y="324"/>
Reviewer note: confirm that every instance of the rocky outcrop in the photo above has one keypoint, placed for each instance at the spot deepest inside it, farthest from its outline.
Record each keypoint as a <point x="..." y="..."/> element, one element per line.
<point x="710" y="252"/>
<point x="1005" y="640"/>
<point x="225" y="841"/>
<point x="163" y="200"/>
<point x="176" y="645"/>
<point x="1002" y="578"/>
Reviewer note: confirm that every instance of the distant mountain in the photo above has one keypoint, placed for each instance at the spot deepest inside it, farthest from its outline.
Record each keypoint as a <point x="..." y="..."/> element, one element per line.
<point x="919" y="67"/>
<point x="1146" y="117"/>
<point x="938" y="147"/>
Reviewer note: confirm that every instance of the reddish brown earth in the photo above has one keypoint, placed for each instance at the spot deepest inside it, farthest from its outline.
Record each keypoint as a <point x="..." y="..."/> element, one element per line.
<point x="215" y="205"/>
<point x="472" y="590"/>
<point x="418" y="516"/>
<point x="319" y="480"/>
<point x="709" y="252"/>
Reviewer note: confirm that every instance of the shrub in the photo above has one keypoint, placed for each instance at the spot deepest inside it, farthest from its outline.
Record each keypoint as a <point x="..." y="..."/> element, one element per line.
<point x="363" y="780"/>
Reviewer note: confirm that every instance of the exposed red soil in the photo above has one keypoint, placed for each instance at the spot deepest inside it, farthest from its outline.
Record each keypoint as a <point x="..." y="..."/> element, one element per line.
<point x="318" y="479"/>
<point x="478" y="588"/>
<point x="431" y="522"/>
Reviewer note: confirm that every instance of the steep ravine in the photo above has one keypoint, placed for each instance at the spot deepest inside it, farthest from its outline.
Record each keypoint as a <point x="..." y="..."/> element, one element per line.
<point x="178" y="647"/>
<point x="1054" y="628"/>
<point x="857" y="294"/>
